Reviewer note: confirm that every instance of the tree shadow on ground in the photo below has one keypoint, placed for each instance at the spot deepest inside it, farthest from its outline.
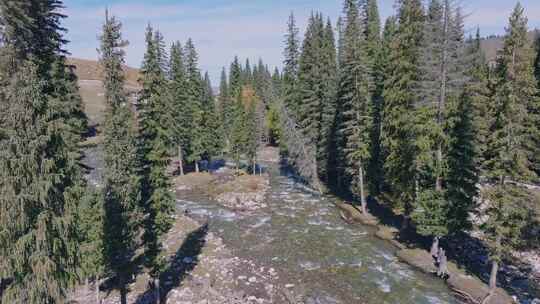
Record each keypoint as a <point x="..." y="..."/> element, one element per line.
<point x="179" y="266"/>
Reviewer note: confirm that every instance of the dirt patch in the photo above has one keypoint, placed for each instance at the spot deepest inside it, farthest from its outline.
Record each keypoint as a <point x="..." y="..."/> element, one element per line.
<point x="194" y="181"/>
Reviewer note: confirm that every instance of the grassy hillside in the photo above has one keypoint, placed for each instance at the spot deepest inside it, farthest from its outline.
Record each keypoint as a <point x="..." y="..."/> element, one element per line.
<point x="491" y="45"/>
<point x="91" y="87"/>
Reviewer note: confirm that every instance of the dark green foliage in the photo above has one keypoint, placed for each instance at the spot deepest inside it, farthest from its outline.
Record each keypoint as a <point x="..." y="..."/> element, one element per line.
<point x="537" y="58"/>
<point x="509" y="142"/>
<point x="291" y="66"/>
<point x="479" y="90"/>
<point x="122" y="180"/>
<point x="40" y="128"/>
<point x="430" y="213"/>
<point x="235" y="80"/>
<point x="39" y="192"/>
<point x="33" y="30"/>
<point x="310" y="90"/>
<point x="381" y="72"/>
<point x="211" y="123"/>
<point x="194" y="105"/>
<point x="329" y="80"/>
<point x="156" y="197"/>
<point x="398" y="112"/>
<point x="505" y="219"/>
<point x="507" y="152"/>
<point x="354" y="103"/>
<point x="463" y="174"/>
<point x="178" y="103"/>
<point x="91" y="219"/>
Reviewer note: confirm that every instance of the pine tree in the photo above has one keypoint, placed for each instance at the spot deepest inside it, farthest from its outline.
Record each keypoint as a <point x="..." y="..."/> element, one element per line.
<point x="376" y="61"/>
<point x="534" y="110"/>
<point x="195" y="91"/>
<point x="507" y="144"/>
<point x="398" y="112"/>
<point x="252" y="128"/>
<point x="158" y="203"/>
<point x="277" y="83"/>
<point x="41" y="125"/>
<point x="310" y="82"/>
<point x="122" y="182"/>
<point x="537" y="59"/>
<point x="91" y="219"/>
<point x="291" y="63"/>
<point x="248" y="73"/>
<point x="479" y="90"/>
<point x="355" y="107"/>
<point x="235" y="79"/>
<point x="226" y="107"/>
<point x="37" y="200"/>
<point x="211" y="120"/>
<point x="441" y="85"/>
<point x="328" y="104"/>
<point x="178" y="99"/>
<point x="239" y="135"/>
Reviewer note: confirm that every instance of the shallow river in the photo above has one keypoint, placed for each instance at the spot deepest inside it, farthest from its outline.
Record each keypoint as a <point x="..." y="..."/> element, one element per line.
<point x="301" y="235"/>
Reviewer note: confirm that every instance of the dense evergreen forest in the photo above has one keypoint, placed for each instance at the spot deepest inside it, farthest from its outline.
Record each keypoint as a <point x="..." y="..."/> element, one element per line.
<point x="405" y="113"/>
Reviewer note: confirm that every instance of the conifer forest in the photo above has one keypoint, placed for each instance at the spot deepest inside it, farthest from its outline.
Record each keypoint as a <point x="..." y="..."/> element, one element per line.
<point x="385" y="160"/>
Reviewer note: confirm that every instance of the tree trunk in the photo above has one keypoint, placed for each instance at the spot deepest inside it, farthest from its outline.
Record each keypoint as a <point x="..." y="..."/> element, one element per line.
<point x="405" y="223"/>
<point x="362" y="194"/>
<point x="197" y="166"/>
<point x="435" y="247"/>
<point x="1" y="289"/>
<point x="180" y="160"/>
<point x="254" y="167"/>
<point x="98" y="300"/>
<point x="158" y="295"/>
<point x="493" y="275"/>
<point x="123" y="291"/>
<point x="438" y="181"/>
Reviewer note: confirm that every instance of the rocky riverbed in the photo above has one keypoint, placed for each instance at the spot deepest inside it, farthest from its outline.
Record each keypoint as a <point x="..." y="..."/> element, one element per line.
<point x="202" y="269"/>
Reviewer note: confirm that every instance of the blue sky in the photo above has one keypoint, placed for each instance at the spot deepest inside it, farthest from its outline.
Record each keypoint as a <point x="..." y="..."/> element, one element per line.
<point x="222" y="29"/>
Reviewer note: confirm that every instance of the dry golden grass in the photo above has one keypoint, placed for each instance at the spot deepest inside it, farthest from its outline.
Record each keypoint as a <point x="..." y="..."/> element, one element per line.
<point x="91" y="70"/>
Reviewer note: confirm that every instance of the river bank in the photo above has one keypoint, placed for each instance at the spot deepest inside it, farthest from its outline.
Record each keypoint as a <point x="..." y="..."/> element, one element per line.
<point x="467" y="287"/>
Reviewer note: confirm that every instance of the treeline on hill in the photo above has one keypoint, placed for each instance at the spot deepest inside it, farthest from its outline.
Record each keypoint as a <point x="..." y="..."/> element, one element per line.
<point x="412" y="115"/>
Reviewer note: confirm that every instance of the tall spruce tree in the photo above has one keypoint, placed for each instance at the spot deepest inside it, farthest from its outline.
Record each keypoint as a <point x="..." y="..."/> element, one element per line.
<point x="41" y="125"/>
<point x="226" y="107"/>
<point x="399" y="105"/>
<point x="355" y="108"/>
<point x="329" y="79"/>
<point x="37" y="198"/>
<point x="310" y="85"/>
<point x="158" y="203"/>
<point x="441" y="85"/>
<point x="211" y="120"/>
<point x="507" y="144"/>
<point x="374" y="48"/>
<point x="291" y="65"/>
<point x="195" y="106"/>
<point x="178" y="100"/>
<point x="122" y="180"/>
<point x="91" y="218"/>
